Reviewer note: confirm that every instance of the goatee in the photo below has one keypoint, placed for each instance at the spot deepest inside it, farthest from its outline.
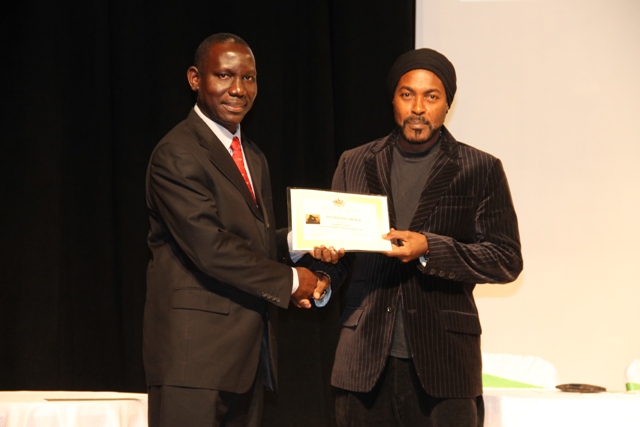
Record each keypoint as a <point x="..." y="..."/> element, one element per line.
<point x="421" y="139"/>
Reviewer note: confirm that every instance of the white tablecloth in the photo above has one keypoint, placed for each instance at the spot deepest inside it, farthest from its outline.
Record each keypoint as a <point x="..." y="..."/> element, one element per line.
<point x="72" y="409"/>
<point x="551" y="408"/>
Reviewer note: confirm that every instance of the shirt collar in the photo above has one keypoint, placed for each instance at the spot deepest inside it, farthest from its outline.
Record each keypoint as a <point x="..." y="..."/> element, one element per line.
<point x="220" y="131"/>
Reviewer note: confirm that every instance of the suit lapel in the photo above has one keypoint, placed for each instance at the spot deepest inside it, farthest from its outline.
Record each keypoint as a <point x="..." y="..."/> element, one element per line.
<point x="255" y="168"/>
<point x="221" y="159"/>
<point x="377" y="169"/>
<point x="219" y="156"/>
<point x="443" y="171"/>
<point x="445" y="168"/>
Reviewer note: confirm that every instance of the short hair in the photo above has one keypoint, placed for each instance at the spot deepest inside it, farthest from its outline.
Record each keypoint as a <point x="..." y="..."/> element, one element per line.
<point x="220" y="38"/>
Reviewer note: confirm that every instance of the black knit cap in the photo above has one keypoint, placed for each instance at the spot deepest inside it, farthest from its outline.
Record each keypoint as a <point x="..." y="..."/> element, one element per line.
<point x="423" y="59"/>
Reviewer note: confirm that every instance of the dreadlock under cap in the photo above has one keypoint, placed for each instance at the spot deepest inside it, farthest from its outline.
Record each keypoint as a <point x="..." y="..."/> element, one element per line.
<point x="423" y="59"/>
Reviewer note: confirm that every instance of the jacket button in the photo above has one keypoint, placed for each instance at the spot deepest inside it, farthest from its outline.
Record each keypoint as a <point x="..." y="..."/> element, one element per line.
<point x="452" y="275"/>
<point x="389" y="309"/>
<point x="441" y="274"/>
<point x="433" y="271"/>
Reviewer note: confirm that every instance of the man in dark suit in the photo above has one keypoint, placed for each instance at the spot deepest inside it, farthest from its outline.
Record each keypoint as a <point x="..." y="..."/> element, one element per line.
<point x="214" y="280"/>
<point x="409" y="349"/>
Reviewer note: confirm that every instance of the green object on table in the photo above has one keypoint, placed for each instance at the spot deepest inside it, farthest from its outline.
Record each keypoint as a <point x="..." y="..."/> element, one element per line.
<point x="633" y="386"/>
<point x="499" y="382"/>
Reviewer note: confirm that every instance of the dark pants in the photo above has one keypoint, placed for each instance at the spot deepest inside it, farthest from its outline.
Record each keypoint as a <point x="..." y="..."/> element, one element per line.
<point x="179" y="406"/>
<point x="398" y="399"/>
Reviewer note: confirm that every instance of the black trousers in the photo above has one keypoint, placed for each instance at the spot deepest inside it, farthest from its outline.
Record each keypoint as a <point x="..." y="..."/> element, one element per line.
<point x="193" y="407"/>
<point x="398" y="399"/>
<point x="171" y="406"/>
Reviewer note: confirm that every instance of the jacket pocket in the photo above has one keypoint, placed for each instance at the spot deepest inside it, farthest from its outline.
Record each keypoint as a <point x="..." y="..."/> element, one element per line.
<point x="460" y="322"/>
<point x="199" y="299"/>
<point x="351" y="317"/>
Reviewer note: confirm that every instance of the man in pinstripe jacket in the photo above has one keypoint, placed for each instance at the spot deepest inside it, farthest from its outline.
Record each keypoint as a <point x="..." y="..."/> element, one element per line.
<point x="409" y="348"/>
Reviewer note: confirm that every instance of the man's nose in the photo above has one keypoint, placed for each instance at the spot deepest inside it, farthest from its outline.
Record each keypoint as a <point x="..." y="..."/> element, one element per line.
<point x="419" y="106"/>
<point x="237" y="87"/>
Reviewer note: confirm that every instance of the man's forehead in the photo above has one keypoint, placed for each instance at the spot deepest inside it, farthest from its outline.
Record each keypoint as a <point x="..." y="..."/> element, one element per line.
<point x="231" y="53"/>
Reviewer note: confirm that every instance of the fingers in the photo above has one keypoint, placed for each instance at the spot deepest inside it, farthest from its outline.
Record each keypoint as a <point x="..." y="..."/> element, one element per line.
<point x="335" y="254"/>
<point x="397" y="238"/>
<point x="321" y="288"/>
<point x="302" y="303"/>
<point x="327" y="254"/>
<point x="300" y="300"/>
<point x="399" y="252"/>
<point x="390" y="235"/>
<point x="394" y="235"/>
<point x="307" y="283"/>
<point x="406" y="245"/>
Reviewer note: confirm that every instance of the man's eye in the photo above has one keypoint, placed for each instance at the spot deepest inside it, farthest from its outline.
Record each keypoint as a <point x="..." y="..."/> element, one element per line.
<point x="249" y="78"/>
<point x="223" y="76"/>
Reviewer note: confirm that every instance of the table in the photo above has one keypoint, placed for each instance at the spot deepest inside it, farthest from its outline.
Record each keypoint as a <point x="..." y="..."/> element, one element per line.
<point x="72" y="409"/>
<point x="551" y="408"/>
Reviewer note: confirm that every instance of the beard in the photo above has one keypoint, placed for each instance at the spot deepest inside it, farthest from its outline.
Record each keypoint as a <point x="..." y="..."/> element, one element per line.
<point x="410" y="135"/>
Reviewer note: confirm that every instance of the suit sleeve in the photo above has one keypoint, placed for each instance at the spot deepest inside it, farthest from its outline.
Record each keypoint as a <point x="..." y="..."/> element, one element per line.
<point x="339" y="181"/>
<point x="494" y="256"/>
<point x="211" y="225"/>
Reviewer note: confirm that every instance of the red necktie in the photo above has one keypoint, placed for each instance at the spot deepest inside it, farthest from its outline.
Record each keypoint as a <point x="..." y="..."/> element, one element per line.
<point x="237" y="157"/>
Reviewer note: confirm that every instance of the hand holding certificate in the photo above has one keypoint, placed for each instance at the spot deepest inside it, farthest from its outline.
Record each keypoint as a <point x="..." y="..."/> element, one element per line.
<point x="355" y="222"/>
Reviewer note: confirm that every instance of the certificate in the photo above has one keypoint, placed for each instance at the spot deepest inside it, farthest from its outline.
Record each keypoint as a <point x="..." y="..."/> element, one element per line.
<point x="355" y="222"/>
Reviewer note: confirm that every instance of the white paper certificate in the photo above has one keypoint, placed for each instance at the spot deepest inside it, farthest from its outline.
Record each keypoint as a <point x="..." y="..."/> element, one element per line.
<point x="355" y="222"/>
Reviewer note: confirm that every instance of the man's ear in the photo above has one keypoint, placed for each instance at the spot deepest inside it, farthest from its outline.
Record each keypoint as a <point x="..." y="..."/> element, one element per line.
<point x="193" y="76"/>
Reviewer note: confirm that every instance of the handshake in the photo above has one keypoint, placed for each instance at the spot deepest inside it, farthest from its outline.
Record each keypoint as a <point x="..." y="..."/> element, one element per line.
<point x="315" y="285"/>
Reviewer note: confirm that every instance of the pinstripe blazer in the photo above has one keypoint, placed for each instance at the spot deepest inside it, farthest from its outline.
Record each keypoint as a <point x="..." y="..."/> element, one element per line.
<point x="466" y="213"/>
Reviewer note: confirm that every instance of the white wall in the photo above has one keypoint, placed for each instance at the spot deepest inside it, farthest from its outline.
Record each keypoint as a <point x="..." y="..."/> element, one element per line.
<point x="552" y="87"/>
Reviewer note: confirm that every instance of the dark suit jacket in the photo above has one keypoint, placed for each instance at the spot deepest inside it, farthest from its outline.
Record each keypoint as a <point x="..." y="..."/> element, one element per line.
<point x="213" y="277"/>
<point x="466" y="213"/>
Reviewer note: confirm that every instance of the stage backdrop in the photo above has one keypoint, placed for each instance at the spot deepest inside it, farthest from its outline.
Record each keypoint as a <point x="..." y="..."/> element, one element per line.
<point x="87" y="90"/>
<point x="551" y="87"/>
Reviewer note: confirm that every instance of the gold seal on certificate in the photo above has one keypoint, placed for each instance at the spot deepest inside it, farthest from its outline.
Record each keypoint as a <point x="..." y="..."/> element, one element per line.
<point x="355" y="222"/>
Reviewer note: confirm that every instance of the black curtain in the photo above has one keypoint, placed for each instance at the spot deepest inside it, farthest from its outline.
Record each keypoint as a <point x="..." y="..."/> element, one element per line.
<point x="87" y="90"/>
